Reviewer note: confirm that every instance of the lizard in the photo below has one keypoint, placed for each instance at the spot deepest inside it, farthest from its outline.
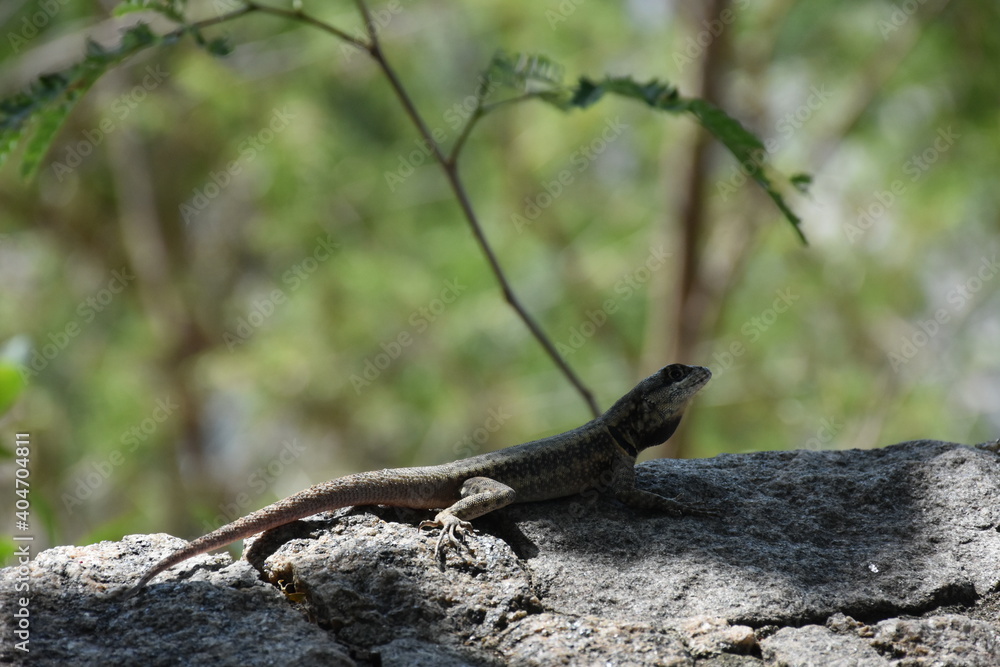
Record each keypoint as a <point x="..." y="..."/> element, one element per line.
<point x="601" y="455"/>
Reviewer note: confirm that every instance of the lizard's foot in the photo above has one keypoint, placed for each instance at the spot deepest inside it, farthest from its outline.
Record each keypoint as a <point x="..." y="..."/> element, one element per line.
<point x="645" y="500"/>
<point x="701" y="509"/>
<point x="452" y="528"/>
<point x="677" y="506"/>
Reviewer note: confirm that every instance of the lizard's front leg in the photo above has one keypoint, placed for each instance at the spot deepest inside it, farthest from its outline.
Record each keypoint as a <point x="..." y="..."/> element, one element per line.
<point x="624" y="490"/>
<point x="646" y="500"/>
<point x="480" y="495"/>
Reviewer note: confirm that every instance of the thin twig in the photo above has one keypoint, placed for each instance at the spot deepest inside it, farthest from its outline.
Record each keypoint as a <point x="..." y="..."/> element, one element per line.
<point x="449" y="166"/>
<point x="448" y="163"/>
<point x="250" y="6"/>
<point x="302" y="17"/>
<point x="206" y="23"/>
<point x="517" y="99"/>
<point x="477" y="113"/>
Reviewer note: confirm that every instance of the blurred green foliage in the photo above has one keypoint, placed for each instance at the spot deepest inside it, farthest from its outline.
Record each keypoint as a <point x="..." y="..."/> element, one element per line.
<point x="215" y="251"/>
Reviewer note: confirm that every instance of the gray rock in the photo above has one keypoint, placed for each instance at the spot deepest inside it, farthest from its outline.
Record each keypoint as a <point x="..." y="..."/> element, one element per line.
<point x="805" y="534"/>
<point x="948" y="639"/>
<point x="223" y="617"/>
<point x="880" y="557"/>
<point x="815" y="645"/>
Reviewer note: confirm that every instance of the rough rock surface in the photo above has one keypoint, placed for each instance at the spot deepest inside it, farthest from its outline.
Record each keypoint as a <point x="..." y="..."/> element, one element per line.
<point x="878" y="557"/>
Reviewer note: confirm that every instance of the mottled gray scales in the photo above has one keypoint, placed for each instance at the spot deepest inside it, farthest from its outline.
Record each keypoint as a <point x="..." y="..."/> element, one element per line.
<point x="598" y="455"/>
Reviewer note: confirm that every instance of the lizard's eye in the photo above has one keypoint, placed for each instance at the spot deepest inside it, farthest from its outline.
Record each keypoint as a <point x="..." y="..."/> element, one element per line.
<point x="676" y="372"/>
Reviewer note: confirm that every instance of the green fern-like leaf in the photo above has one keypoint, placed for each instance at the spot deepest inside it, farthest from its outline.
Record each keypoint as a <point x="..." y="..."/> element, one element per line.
<point x="39" y="112"/>
<point x="744" y="145"/>
<point x="750" y="152"/>
<point x="535" y="76"/>
<point x="801" y="182"/>
<point x="47" y="123"/>
<point x="17" y="111"/>
<point x="172" y="9"/>
<point x="524" y="73"/>
<point x="11" y="385"/>
<point x="655" y="94"/>
<point x="13" y="355"/>
<point x="218" y="46"/>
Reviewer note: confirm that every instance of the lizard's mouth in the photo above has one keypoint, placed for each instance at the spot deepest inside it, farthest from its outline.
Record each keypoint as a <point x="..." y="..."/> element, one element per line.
<point x="699" y="376"/>
<point x="675" y="394"/>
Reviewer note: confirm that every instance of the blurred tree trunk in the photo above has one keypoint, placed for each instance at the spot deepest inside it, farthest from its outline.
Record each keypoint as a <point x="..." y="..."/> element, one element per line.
<point x="691" y="296"/>
<point x="176" y="335"/>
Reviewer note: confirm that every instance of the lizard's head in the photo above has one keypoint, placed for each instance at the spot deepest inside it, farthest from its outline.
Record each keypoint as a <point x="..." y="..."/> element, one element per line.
<point x="650" y="413"/>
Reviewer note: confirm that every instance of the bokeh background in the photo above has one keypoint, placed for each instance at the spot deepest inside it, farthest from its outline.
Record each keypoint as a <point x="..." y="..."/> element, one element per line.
<point x="237" y="287"/>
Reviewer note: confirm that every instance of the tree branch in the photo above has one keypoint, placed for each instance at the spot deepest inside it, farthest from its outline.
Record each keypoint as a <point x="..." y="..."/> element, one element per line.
<point x="450" y="168"/>
<point x="448" y="164"/>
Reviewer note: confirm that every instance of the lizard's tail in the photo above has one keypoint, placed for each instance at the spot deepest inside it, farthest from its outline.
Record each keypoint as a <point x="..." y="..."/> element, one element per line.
<point x="411" y="487"/>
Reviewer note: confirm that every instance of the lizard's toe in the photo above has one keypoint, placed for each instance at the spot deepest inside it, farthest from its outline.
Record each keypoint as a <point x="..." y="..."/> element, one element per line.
<point x="452" y="528"/>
